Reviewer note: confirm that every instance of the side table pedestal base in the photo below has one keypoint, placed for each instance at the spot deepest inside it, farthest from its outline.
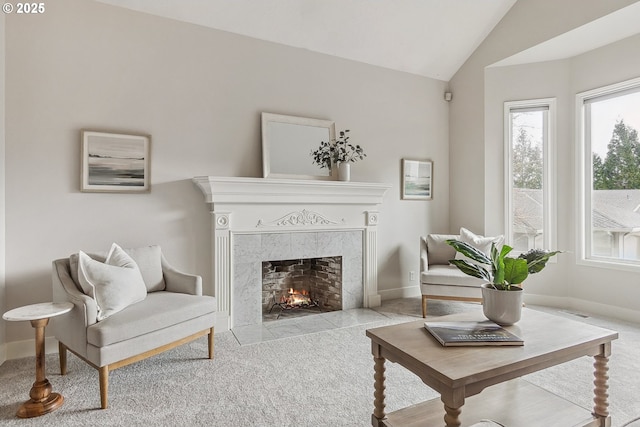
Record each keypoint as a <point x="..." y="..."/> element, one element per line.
<point x="42" y="400"/>
<point x="32" y="408"/>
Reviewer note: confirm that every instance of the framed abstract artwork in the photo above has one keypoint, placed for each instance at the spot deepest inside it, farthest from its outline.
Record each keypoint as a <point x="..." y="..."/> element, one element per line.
<point x="114" y="162"/>
<point x="417" y="179"/>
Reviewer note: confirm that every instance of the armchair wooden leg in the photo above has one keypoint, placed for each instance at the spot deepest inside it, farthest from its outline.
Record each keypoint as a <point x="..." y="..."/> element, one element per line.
<point x="210" y="338"/>
<point x="104" y="386"/>
<point x="62" y="355"/>
<point x="424" y="306"/>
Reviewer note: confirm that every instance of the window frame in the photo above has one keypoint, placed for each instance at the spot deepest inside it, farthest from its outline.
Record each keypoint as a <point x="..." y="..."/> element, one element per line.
<point x="584" y="179"/>
<point x="549" y="174"/>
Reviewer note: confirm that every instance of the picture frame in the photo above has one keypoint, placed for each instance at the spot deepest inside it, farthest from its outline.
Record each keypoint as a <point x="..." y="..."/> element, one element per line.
<point x="287" y="143"/>
<point x="417" y="179"/>
<point x="115" y="162"/>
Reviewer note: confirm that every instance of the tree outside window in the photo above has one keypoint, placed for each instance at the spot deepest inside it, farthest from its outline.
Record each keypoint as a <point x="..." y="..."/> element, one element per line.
<point x="612" y="183"/>
<point x="528" y="174"/>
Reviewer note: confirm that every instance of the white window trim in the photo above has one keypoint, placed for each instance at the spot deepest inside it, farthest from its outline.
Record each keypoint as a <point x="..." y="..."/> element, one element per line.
<point x="583" y="158"/>
<point x="549" y="173"/>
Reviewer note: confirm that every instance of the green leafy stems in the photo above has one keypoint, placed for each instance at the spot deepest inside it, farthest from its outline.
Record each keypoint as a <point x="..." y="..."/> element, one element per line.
<point x="504" y="271"/>
<point x="337" y="151"/>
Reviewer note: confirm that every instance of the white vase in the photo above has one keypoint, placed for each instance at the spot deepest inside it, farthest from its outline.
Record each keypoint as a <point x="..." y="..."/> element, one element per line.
<point x="344" y="171"/>
<point x="502" y="307"/>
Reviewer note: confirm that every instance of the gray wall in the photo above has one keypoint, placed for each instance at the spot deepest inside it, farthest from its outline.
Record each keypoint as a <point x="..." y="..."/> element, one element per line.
<point x="199" y="93"/>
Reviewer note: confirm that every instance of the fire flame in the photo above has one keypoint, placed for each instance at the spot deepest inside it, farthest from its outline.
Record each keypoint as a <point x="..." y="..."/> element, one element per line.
<point x="297" y="297"/>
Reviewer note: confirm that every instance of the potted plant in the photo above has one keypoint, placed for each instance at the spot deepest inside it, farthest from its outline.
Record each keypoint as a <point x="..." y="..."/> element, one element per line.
<point x="502" y="295"/>
<point x="339" y="152"/>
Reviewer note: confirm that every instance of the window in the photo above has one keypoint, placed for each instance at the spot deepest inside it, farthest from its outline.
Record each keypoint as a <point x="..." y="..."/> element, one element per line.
<point x="609" y="146"/>
<point x="529" y="163"/>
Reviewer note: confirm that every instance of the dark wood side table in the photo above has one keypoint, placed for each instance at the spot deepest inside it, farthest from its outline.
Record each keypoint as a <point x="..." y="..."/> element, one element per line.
<point x="42" y="399"/>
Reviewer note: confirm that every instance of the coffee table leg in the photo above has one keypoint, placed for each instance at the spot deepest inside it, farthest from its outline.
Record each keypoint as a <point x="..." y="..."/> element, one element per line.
<point x="42" y="400"/>
<point x="452" y="416"/>
<point x="601" y="407"/>
<point x="378" y="386"/>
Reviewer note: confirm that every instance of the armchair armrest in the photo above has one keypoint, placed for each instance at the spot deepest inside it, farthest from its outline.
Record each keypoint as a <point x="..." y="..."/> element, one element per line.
<point x="65" y="289"/>
<point x="71" y="329"/>
<point x="180" y="282"/>
<point x="424" y="254"/>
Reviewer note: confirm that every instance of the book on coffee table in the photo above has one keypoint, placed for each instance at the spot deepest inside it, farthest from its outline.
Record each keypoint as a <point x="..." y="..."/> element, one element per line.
<point x="471" y="333"/>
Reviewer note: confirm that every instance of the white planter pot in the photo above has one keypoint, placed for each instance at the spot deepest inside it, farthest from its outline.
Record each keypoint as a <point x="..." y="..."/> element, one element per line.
<point x="502" y="307"/>
<point x="344" y="171"/>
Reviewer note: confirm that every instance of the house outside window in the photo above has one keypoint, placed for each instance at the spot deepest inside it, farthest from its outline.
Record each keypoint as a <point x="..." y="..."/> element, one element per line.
<point x="529" y="174"/>
<point x="609" y="146"/>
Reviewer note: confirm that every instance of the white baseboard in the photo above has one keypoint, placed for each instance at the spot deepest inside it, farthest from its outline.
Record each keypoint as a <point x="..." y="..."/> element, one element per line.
<point x="580" y="306"/>
<point x="27" y="348"/>
<point x="547" y="301"/>
<point x="406" y="292"/>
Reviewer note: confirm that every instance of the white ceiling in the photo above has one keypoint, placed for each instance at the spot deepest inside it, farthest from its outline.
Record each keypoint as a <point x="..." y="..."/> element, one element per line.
<point x="610" y="28"/>
<point x="431" y="38"/>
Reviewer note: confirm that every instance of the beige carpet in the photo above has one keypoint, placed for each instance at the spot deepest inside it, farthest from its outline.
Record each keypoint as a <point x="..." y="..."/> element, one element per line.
<point x="324" y="378"/>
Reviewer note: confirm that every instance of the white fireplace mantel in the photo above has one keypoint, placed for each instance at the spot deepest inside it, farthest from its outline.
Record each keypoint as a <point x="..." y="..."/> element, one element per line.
<point x="255" y="206"/>
<point x="230" y="190"/>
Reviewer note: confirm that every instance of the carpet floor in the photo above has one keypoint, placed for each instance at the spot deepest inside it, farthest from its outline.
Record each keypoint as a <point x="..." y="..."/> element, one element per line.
<point x="323" y="378"/>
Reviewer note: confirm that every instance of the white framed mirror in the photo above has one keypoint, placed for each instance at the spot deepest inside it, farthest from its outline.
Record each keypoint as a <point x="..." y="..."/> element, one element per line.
<point x="287" y="143"/>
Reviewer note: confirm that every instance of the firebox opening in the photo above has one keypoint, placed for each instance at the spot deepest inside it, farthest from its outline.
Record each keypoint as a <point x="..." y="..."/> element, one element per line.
<point x="292" y="288"/>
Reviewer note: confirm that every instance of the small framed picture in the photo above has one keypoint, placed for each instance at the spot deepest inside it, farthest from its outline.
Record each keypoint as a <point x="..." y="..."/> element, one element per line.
<point x="417" y="179"/>
<point x="114" y="162"/>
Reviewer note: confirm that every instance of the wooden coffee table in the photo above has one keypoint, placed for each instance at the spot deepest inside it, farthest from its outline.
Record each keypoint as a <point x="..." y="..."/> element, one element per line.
<point x="459" y="374"/>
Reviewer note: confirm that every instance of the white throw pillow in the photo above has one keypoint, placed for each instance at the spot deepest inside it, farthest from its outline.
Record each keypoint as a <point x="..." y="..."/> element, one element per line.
<point x="481" y="243"/>
<point x="114" y="284"/>
<point x="149" y="261"/>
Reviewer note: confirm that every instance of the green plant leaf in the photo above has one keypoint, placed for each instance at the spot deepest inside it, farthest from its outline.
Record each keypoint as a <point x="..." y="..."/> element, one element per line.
<point x="469" y="251"/>
<point x="504" y="251"/>
<point x="471" y="269"/>
<point x="515" y="270"/>
<point x="497" y="263"/>
<point x="536" y="259"/>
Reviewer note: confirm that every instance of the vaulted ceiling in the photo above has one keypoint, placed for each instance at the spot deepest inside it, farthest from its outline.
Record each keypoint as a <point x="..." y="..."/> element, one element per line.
<point x="432" y="38"/>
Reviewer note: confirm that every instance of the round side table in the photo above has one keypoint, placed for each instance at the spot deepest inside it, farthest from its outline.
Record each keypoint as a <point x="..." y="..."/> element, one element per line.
<point x="42" y="399"/>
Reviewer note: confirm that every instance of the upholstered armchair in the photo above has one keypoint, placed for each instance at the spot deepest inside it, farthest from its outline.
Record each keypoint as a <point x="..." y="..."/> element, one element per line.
<point x="164" y="310"/>
<point x="443" y="281"/>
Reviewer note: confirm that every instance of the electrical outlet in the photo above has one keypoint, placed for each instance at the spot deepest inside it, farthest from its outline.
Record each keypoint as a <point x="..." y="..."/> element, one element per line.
<point x="412" y="276"/>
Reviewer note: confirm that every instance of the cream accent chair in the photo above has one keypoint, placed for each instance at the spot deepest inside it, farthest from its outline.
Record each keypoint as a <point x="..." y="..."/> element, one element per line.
<point x="441" y="280"/>
<point x="173" y="313"/>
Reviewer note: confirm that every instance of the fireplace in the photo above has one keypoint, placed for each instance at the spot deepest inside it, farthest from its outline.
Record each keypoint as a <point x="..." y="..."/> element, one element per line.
<point x="258" y="220"/>
<point x="293" y="288"/>
<point x="250" y="252"/>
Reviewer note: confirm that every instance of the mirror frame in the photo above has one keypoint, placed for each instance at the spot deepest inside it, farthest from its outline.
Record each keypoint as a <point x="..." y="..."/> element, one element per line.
<point x="293" y="120"/>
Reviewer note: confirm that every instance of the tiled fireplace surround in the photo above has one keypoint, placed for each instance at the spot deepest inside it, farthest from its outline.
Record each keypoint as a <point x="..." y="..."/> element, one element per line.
<point x="250" y="250"/>
<point x="256" y="220"/>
